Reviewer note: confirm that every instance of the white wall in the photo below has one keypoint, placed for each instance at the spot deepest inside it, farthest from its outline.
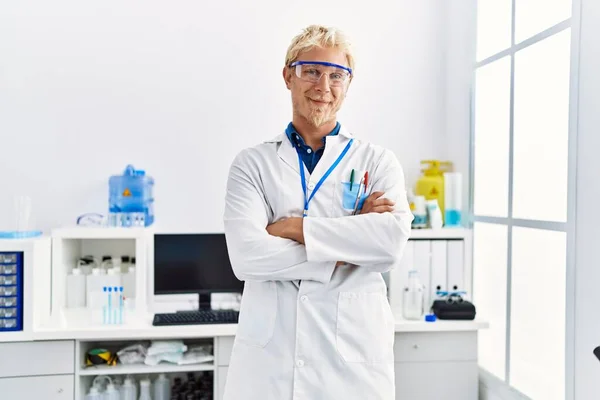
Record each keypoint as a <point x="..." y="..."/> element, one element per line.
<point x="178" y="88"/>
<point x="460" y="32"/>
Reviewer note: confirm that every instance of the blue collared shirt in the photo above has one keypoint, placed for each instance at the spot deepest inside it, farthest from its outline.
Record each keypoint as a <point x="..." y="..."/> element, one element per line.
<point x="310" y="157"/>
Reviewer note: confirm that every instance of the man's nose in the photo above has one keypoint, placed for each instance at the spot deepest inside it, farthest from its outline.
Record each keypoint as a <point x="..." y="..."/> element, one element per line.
<point x="323" y="83"/>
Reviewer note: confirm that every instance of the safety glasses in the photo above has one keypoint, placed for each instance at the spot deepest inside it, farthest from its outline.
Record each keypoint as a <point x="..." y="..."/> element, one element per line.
<point x="313" y="71"/>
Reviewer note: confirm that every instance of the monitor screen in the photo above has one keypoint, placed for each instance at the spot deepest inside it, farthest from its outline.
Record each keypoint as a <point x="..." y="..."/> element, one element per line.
<point x="193" y="263"/>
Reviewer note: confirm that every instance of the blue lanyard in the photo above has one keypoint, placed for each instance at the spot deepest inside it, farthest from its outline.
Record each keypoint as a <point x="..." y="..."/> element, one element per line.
<point x="323" y="178"/>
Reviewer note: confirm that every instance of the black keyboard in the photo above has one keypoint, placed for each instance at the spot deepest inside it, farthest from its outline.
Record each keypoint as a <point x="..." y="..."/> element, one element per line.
<point x="199" y="317"/>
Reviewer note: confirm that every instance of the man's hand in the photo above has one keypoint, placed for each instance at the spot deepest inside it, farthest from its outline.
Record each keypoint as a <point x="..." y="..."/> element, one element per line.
<point x="288" y="228"/>
<point x="373" y="203"/>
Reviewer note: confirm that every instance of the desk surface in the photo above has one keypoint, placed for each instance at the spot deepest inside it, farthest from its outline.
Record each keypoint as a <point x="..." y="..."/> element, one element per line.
<point x="141" y="328"/>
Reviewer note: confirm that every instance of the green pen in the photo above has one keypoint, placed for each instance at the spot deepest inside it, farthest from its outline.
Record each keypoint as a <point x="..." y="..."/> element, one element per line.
<point x="351" y="179"/>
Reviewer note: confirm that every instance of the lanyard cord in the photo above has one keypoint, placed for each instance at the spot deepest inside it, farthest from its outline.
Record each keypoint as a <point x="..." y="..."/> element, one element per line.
<point x="323" y="178"/>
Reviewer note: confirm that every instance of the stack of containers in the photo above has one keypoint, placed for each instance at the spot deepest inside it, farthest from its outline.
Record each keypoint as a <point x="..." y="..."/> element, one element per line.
<point x="11" y="291"/>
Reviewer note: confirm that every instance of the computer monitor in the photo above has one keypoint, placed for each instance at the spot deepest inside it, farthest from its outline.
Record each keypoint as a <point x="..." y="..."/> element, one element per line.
<point x="193" y="263"/>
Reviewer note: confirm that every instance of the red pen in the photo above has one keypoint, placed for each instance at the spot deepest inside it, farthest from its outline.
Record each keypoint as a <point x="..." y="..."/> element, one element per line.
<point x="366" y="178"/>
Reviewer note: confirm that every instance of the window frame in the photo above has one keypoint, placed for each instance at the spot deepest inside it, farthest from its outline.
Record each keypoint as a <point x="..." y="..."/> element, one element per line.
<point x="573" y="22"/>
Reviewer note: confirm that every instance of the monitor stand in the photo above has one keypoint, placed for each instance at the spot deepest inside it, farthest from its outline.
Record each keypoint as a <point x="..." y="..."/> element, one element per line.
<point x="204" y="301"/>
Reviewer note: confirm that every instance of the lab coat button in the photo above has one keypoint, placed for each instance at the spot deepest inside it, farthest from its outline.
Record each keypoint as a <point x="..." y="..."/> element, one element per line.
<point x="311" y="185"/>
<point x="303" y="298"/>
<point x="300" y="363"/>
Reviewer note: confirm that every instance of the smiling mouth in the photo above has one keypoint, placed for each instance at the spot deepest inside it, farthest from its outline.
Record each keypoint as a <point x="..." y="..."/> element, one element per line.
<point x="319" y="102"/>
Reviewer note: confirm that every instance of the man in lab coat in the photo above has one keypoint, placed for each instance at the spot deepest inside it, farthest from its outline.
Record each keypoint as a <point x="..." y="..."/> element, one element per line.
<point x="313" y="217"/>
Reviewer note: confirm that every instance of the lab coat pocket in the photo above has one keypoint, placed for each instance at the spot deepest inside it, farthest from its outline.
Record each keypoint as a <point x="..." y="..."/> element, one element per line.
<point x="349" y="195"/>
<point x="364" y="331"/>
<point x="258" y="311"/>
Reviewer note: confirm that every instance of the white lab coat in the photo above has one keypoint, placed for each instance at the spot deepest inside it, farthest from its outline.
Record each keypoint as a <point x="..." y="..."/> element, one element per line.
<point x="308" y="330"/>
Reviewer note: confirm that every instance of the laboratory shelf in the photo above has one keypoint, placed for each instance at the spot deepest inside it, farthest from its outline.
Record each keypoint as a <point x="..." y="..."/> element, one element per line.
<point x="85" y="232"/>
<point x="436" y="234"/>
<point x="137" y="369"/>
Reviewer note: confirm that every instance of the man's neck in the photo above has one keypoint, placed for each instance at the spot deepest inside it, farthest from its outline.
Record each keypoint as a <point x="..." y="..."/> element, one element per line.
<point x="311" y="134"/>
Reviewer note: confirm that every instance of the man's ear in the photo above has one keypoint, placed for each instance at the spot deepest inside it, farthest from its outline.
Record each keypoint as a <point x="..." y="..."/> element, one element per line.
<point x="287" y="77"/>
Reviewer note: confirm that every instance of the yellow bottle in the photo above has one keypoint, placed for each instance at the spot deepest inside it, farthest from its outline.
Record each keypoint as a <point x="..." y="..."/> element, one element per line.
<point x="431" y="183"/>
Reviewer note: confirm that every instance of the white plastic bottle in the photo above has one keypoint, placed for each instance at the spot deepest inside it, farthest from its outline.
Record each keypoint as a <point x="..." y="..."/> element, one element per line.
<point x="162" y="388"/>
<point x="145" y="390"/>
<point x="76" y="292"/>
<point x="129" y="389"/>
<point x="413" y="299"/>
<point x="113" y="277"/>
<point x="111" y="392"/>
<point x="94" y="394"/>
<point x="94" y="284"/>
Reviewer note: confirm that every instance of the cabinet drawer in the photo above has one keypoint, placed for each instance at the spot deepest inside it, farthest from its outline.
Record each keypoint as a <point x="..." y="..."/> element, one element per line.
<point x="224" y="347"/>
<point x="60" y="387"/>
<point x="435" y="346"/>
<point x="437" y="380"/>
<point x="37" y="358"/>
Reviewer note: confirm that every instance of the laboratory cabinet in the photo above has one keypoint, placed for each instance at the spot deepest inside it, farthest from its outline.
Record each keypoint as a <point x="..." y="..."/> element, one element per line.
<point x="428" y="365"/>
<point x="50" y="387"/>
<point x="436" y="365"/>
<point x="37" y="358"/>
<point x="431" y="362"/>
<point x="37" y="370"/>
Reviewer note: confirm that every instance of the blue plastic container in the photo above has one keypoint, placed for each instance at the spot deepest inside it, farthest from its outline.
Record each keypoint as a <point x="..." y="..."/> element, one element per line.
<point x="131" y="198"/>
<point x="11" y="291"/>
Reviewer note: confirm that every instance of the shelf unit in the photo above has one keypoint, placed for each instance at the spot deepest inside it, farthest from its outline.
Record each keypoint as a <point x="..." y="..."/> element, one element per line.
<point x="85" y="375"/>
<point x="443" y="259"/>
<point x="69" y="244"/>
<point x="435" y="234"/>
<point x="142" y="369"/>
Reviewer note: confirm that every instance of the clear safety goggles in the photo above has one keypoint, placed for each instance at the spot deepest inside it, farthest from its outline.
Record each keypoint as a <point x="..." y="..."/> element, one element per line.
<point x="313" y="71"/>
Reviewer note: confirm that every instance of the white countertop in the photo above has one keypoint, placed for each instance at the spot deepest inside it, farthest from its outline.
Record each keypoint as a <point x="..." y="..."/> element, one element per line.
<point x="81" y="328"/>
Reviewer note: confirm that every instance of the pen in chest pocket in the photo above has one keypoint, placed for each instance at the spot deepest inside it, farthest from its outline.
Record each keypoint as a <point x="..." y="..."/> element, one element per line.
<point x="365" y="180"/>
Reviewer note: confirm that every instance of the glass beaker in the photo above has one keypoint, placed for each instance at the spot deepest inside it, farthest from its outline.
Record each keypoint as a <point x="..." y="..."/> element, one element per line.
<point x="22" y="216"/>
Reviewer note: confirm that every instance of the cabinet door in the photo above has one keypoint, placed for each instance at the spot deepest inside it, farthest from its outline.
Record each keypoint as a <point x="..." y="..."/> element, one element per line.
<point x="51" y="387"/>
<point x="437" y="380"/>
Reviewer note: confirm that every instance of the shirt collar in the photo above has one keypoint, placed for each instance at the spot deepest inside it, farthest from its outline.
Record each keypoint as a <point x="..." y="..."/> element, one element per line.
<point x="297" y="140"/>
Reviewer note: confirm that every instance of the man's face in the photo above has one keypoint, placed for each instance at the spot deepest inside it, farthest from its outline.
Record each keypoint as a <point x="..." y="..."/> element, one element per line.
<point x="318" y="102"/>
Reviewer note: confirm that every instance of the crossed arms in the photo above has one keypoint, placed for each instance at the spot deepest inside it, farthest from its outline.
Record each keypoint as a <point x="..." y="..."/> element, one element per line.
<point x="310" y="248"/>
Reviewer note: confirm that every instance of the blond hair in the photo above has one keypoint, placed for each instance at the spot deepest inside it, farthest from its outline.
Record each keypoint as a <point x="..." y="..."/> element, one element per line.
<point x="319" y="36"/>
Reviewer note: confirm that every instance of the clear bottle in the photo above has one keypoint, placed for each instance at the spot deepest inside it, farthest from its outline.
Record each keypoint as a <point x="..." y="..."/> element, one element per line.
<point x="125" y="264"/>
<point x="145" y="390"/>
<point x="106" y="262"/>
<point x="162" y="388"/>
<point x="116" y="263"/>
<point x="413" y="299"/>
<point x="86" y="263"/>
